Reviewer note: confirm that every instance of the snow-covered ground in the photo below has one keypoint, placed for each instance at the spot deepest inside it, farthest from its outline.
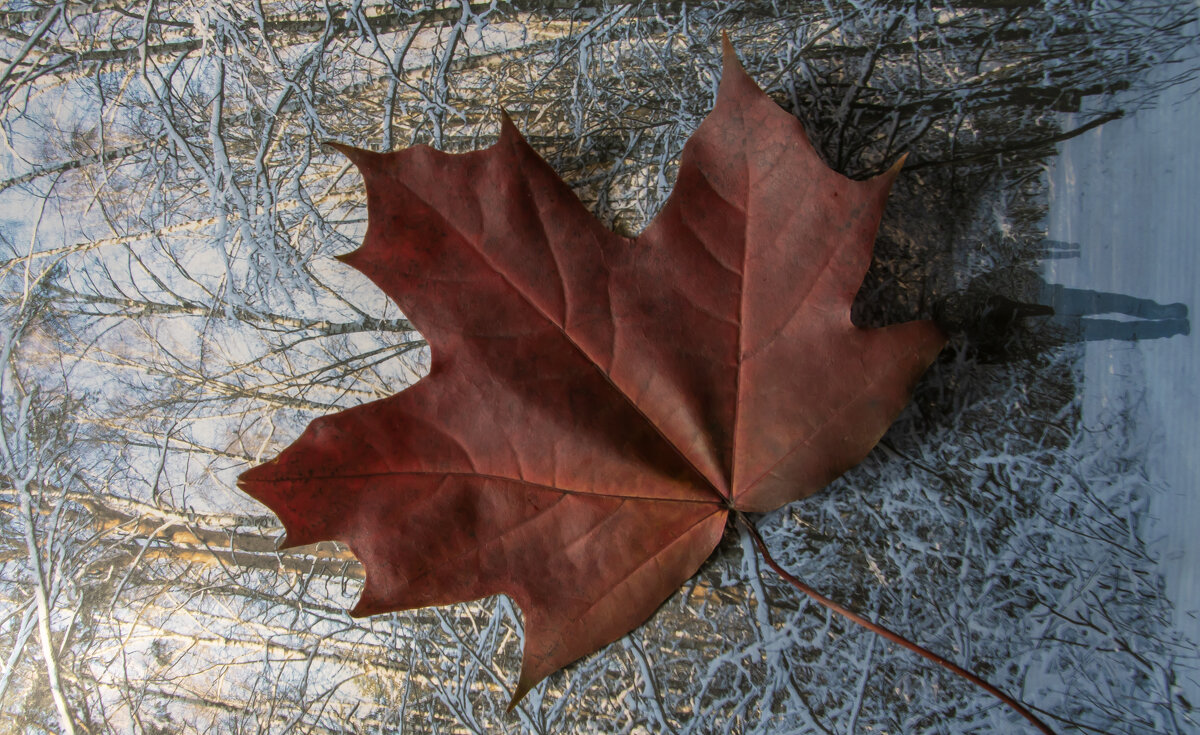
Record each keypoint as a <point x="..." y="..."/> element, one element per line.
<point x="1129" y="194"/>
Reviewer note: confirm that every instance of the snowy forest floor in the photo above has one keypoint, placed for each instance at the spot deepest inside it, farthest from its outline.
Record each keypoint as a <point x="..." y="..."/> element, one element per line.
<point x="171" y="312"/>
<point x="1126" y="194"/>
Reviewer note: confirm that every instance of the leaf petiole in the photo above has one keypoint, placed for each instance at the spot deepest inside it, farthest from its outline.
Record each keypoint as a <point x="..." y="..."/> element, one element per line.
<point x="889" y="635"/>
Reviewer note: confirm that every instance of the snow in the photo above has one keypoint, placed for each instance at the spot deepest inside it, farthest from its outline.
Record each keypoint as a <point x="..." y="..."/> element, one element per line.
<point x="976" y="528"/>
<point x="1126" y="192"/>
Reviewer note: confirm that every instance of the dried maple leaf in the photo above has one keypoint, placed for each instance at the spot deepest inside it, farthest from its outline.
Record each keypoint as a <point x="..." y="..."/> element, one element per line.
<point x="598" y="406"/>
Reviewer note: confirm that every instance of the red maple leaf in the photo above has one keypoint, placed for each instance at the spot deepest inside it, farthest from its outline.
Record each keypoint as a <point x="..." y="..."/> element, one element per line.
<point x="598" y="406"/>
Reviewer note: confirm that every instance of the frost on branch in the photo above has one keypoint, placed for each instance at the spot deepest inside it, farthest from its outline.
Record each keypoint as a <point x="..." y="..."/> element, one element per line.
<point x="171" y="272"/>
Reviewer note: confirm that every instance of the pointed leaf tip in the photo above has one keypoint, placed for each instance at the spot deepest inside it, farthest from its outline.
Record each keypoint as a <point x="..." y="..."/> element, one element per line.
<point x="508" y="128"/>
<point x="729" y="58"/>
<point x="357" y="156"/>
<point x="352" y="258"/>
<point x="523" y="688"/>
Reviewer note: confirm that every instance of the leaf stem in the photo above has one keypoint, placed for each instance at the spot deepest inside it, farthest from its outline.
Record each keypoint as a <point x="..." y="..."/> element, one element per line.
<point x="891" y="636"/>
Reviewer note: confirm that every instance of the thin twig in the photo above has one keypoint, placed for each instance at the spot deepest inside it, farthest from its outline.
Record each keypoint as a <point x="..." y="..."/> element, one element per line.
<point x="1021" y="146"/>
